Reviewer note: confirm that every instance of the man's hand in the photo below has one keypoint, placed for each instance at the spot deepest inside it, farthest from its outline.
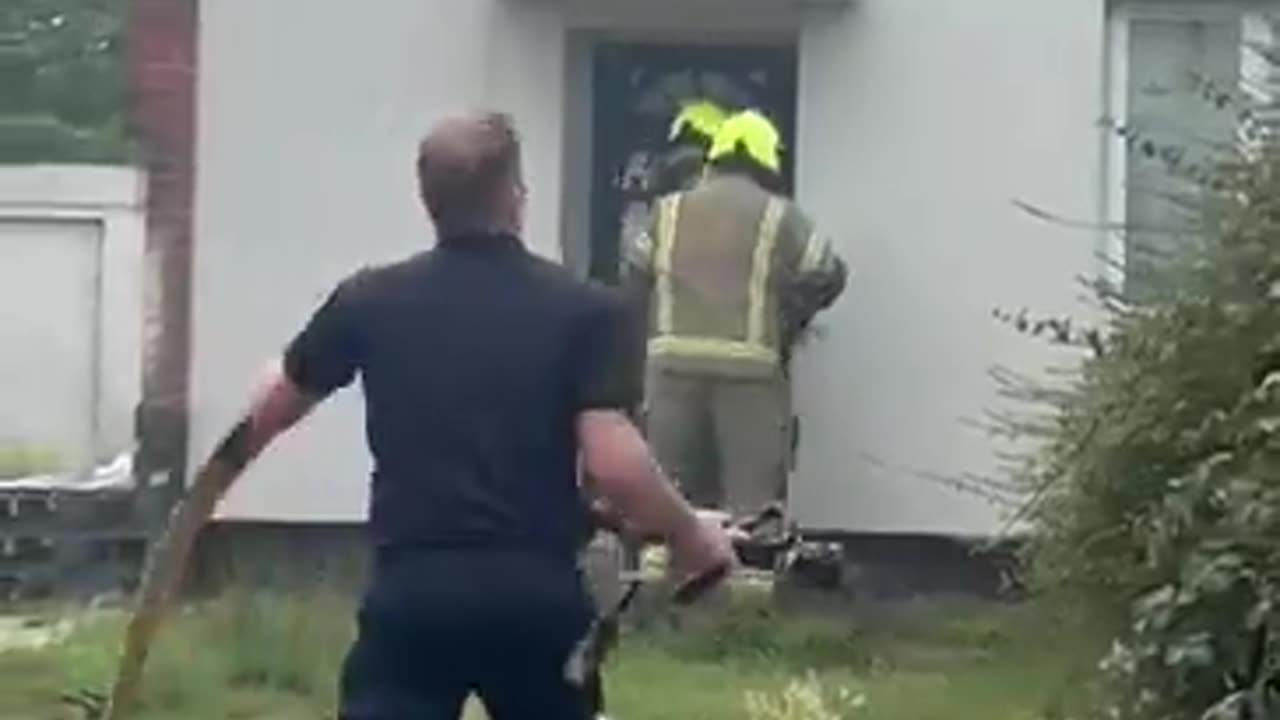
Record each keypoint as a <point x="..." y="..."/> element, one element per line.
<point x="626" y="476"/>
<point x="606" y="517"/>
<point x="704" y="547"/>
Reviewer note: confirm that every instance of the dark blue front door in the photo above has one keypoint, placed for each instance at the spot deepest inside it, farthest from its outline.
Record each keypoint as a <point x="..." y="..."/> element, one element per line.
<point x="637" y="89"/>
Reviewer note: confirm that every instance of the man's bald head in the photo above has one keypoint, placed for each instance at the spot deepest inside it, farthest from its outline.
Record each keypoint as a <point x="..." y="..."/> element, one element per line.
<point x="469" y="174"/>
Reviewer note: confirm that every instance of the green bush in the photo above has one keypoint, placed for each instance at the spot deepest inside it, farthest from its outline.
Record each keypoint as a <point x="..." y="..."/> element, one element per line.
<point x="806" y="698"/>
<point x="20" y="460"/>
<point x="1155" y="496"/>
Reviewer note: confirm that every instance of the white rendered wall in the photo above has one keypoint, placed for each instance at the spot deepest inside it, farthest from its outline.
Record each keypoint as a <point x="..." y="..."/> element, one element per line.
<point x="920" y="123"/>
<point x="309" y="118"/>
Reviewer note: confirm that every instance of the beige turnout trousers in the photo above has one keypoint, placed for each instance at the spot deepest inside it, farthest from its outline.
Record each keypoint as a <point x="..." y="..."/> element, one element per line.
<point x="725" y="441"/>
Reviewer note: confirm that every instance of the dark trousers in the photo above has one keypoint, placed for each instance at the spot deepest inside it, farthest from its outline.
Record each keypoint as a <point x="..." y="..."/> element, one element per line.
<point x="438" y="626"/>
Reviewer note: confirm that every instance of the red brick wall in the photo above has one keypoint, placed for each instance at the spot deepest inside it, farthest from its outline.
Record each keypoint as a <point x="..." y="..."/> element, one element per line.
<point x="163" y="41"/>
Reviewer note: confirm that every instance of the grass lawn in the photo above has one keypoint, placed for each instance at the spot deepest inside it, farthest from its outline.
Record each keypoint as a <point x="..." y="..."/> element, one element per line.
<point x="272" y="658"/>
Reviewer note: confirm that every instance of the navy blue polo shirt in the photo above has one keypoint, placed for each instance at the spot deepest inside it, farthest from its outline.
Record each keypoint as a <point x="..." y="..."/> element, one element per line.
<point x="475" y="359"/>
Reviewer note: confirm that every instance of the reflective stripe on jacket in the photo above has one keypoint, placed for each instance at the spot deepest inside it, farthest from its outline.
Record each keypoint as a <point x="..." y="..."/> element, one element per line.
<point x="722" y="263"/>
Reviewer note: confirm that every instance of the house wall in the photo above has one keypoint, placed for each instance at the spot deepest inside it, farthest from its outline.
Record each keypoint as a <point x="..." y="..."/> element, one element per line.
<point x="309" y="118"/>
<point x="920" y="124"/>
<point x="71" y="279"/>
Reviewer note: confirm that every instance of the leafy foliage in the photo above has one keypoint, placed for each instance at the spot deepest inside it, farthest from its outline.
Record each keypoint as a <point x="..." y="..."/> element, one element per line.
<point x="19" y="460"/>
<point x="805" y="698"/>
<point x="62" y="68"/>
<point x="1156" y="490"/>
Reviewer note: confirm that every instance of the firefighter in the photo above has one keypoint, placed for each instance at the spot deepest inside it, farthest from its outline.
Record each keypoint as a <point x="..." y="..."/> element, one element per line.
<point x="730" y="274"/>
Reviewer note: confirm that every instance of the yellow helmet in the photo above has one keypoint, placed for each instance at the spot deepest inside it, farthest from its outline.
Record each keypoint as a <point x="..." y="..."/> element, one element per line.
<point x="755" y="133"/>
<point x="702" y="117"/>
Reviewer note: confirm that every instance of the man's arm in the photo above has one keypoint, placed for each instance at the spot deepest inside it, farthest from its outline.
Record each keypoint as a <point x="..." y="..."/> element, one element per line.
<point x="628" y="478"/>
<point x="814" y="275"/>
<point x="616" y="459"/>
<point x="822" y="274"/>
<point x="277" y="405"/>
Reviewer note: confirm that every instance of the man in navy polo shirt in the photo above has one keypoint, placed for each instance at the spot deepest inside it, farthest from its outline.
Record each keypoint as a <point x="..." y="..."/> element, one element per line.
<point x="487" y="373"/>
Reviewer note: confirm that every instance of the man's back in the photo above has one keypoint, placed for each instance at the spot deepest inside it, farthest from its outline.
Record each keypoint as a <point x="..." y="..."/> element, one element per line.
<point x="472" y="358"/>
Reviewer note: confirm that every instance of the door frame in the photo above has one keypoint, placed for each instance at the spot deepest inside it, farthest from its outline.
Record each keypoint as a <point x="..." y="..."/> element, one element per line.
<point x="579" y="126"/>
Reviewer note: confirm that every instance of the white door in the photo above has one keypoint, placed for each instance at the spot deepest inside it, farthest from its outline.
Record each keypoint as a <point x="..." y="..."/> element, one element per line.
<point x="48" y="338"/>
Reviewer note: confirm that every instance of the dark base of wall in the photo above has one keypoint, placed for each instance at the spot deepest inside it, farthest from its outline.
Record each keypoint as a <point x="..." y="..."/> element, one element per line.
<point x="902" y="567"/>
<point x="876" y="568"/>
<point x="72" y="545"/>
<point x="280" y="556"/>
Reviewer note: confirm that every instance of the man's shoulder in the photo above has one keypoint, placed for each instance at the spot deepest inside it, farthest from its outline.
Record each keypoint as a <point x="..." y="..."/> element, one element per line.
<point x="734" y="188"/>
<point x="373" y="276"/>
<point x="602" y="298"/>
<point x="551" y="277"/>
<point x="583" y="295"/>
<point x="792" y="212"/>
<point x="757" y="197"/>
<point x="586" y="294"/>
<point x="371" y="283"/>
